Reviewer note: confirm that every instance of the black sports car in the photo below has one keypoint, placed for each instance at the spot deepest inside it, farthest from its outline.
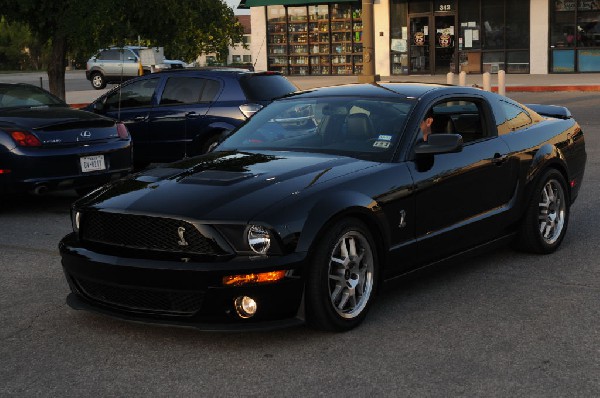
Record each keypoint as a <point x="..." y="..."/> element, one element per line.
<point x="46" y="145"/>
<point x="307" y="208"/>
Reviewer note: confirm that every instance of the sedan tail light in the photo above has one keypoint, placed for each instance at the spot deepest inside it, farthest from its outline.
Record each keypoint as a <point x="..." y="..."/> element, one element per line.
<point x="23" y="138"/>
<point x="250" y="109"/>
<point x="122" y="131"/>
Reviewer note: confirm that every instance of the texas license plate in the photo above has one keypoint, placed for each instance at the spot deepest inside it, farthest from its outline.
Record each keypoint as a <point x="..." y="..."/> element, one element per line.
<point x="92" y="163"/>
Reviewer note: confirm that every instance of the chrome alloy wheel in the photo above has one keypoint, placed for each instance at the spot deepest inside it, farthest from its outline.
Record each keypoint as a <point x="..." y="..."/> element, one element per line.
<point x="552" y="210"/>
<point x="351" y="274"/>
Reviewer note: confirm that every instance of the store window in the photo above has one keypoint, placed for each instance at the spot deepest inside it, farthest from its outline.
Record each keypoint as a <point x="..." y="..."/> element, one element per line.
<point x="575" y="36"/>
<point x="399" y="37"/>
<point x="318" y="39"/>
<point x="491" y="36"/>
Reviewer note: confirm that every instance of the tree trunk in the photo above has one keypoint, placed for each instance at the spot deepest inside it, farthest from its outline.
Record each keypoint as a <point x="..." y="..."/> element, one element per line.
<point x="56" y="66"/>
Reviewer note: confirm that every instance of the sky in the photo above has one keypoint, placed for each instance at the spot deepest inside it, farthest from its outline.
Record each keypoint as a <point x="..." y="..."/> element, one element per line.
<point x="233" y="4"/>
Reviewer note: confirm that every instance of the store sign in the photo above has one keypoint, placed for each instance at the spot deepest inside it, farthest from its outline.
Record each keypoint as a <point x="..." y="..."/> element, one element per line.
<point x="582" y="5"/>
<point x="419" y="38"/>
<point x="444" y="5"/>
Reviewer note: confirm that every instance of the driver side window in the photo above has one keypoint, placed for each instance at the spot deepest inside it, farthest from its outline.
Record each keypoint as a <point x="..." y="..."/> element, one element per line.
<point x="133" y="95"/>
<point x="459" y="116"/>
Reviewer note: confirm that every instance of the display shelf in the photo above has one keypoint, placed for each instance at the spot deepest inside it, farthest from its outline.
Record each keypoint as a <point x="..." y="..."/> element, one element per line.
<point x="323" y="39"/>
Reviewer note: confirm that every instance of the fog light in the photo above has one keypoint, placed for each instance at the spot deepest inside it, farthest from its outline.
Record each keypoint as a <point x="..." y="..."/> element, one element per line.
<point x="245" y="306"/>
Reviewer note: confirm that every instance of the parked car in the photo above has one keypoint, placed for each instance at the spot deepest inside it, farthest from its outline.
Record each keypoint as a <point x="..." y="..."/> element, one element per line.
<point x="117" y="64"/>
<point x="304" y="211"/>
<point x="45" y="145"/>
<point x="179" y="113"/>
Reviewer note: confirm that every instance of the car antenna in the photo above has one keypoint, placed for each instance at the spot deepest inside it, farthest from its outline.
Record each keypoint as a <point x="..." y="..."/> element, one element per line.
<point x="122" y="56"/>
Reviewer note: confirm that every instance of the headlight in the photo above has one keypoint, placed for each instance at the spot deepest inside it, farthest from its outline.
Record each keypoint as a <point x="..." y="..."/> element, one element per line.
<point x="75" y="220"/>
<point x="259" y="239"/>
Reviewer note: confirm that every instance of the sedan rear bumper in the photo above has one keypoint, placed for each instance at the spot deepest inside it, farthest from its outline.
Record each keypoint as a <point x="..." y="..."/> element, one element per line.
<point x="39" y="170"/>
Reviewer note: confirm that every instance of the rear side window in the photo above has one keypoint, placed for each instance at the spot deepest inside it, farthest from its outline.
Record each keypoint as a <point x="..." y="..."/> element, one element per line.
<point x="266" y="87"/>
<point x="189" y="90"/>
<point x="515" y="118"/>
<point x="110" y="55"/>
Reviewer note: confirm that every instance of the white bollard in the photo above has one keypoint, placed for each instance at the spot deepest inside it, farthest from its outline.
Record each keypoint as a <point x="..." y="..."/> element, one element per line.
<point x="450" y="78"/>
<point x="487" y="82"/>
<point x="502" y="82"/>
<point x="462" y="78"/>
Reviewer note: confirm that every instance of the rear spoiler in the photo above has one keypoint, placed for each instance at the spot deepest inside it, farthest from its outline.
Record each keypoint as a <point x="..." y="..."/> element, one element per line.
<point x="559" y="112"/>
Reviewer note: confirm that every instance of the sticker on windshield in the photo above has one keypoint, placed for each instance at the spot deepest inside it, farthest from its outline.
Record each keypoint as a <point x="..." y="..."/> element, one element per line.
<point x="381" y="144"/>
<point x="384" y="137"/>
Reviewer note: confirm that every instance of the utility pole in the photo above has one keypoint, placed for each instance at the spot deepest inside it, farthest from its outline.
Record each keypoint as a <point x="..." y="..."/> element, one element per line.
<point x="368" y="40"/>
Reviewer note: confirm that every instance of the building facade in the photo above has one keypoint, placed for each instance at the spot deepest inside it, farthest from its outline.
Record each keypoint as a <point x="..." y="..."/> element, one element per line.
<point x="239" y="54"/>
<point x="312" y="37"/>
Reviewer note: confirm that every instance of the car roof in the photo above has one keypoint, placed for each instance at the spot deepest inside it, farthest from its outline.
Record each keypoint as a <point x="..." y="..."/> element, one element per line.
<point x="385" y="89"/>
<point x="215" y="71"/>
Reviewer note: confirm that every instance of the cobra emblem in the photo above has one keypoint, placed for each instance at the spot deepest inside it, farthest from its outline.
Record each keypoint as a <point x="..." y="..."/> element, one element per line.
<point x="181" y="241"/>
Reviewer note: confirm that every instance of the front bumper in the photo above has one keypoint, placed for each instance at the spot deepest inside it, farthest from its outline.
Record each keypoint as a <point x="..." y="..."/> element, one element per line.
<point x="179" y="291"/>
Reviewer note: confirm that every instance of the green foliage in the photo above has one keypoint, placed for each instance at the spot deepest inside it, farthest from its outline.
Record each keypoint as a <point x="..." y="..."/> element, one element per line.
<point x="19" y="49"/>
<point x="185" y="28"/>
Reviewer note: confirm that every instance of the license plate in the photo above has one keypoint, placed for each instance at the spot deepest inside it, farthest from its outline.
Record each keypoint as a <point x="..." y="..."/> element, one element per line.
<point x="92" y="163"/>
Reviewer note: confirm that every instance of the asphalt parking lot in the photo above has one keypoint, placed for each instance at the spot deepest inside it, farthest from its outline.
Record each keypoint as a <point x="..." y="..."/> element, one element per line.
<point x="499" y="325"/>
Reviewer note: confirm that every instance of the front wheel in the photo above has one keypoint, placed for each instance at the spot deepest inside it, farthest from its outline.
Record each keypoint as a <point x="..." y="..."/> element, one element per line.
<point x="547" y="216"/>
<point x="342" y="278"/>
<point x="98" y="81"/>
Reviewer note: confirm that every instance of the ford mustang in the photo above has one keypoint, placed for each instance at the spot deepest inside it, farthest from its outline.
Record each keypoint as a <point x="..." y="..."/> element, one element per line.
<point x="305" y="211"/>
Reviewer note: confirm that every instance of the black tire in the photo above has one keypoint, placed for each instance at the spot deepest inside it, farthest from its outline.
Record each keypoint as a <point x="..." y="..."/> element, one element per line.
<point x="547" y="216"/>
<point x="98" y="80"/>
<point x="342" y="278"/>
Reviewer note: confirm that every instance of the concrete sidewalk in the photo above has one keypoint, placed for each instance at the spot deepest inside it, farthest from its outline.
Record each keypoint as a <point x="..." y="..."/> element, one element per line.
<point x="514" y="83"/>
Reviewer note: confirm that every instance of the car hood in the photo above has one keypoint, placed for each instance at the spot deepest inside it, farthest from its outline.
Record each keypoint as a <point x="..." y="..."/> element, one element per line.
<point x="221" y="186"/>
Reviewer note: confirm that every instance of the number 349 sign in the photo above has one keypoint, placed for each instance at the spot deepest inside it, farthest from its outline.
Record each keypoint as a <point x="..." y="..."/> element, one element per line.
<point x="444" y="5"/>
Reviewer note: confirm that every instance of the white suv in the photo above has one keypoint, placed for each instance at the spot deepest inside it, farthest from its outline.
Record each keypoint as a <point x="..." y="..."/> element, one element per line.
<point x="117" y="64"/>
<point x="113" y="65"/>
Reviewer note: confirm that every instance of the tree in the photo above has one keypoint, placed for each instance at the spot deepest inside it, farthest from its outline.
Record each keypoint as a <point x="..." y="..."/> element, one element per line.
<point x="183" y="27"/>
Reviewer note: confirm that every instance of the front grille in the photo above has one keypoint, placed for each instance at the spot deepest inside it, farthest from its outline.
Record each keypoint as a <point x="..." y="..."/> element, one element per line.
<point x="146" y="232"/>
<point x="139" y="299"/>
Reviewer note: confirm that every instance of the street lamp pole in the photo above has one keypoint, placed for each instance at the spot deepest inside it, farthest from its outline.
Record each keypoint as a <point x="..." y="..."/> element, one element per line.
<point x="368" y="40"/>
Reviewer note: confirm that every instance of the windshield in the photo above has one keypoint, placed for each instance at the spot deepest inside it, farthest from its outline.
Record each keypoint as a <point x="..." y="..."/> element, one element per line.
<point x="16" y="96"/>
<point x="365" y="128"/>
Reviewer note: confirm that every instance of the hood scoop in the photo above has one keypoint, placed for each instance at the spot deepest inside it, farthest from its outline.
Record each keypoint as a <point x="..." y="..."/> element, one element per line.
<point x="156" y="174"/>
<point x="216" y="177"/>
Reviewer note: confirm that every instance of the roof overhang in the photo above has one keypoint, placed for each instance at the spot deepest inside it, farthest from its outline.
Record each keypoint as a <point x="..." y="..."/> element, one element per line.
<point x="245" y="4"/>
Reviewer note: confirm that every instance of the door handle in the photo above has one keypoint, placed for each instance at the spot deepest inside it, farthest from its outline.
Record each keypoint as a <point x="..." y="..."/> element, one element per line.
<point x="139" y="118"/>
<point x="192" y="115"/>
<point x="499" y="159"/>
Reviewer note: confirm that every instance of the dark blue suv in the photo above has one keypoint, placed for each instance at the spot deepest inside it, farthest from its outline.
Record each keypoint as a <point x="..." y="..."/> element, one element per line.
<point x="175" y="114"/>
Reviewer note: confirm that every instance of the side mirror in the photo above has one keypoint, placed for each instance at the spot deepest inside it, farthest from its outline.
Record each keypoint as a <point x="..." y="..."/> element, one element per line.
<point x="98" y="107"/>
<point x="440" y="143"/>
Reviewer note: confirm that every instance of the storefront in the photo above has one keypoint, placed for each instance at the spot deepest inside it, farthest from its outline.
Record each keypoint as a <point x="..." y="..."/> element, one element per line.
<point x="575" y="36"/>
<point x="316" y="37"/>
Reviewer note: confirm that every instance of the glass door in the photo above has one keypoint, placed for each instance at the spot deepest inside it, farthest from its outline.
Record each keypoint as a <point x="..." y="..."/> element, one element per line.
<point x="420" y="45"/>
<point x="444" y="45"/>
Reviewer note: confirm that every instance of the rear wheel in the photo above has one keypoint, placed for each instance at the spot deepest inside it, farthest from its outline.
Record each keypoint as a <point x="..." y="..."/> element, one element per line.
<point x="547" y="216"/>
<point x="341" y="282"/>
<point x="98" y="81"/>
